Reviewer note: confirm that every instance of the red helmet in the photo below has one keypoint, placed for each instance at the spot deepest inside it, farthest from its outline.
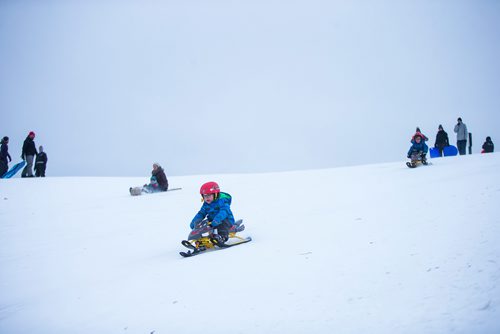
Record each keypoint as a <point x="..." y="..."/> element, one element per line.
<point x="209" y="188"/>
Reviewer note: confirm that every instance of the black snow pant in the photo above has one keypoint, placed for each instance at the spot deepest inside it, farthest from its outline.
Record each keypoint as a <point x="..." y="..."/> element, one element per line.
<point x="462" y="146"/>
<point x="4" y="167"/>
<point x="223" y="229"/>
<point x="40" y="170"/>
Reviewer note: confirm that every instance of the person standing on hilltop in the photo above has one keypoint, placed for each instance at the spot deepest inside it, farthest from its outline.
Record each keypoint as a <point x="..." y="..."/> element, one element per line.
<point x="4" y="155"/>
<point x="41" y="162"/>
<point x="28" y="153"/>
<point x="461" y="131"/>
<point x="441" y="140"/>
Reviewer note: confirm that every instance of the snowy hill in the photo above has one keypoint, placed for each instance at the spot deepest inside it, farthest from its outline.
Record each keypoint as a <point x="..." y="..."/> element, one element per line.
<point x="367" y="249"/>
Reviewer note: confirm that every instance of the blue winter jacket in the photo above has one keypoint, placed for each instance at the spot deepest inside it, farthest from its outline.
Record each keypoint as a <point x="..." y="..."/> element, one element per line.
<point x="422" y="147"/>
<point x="216" y="212"/>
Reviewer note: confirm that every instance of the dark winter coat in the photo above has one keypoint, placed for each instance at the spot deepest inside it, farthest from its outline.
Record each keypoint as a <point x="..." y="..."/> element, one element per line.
<point x="442" y="139"/>
<point x="4" y="152"/>
<point x="422" y="147"/>
<point x="488" y="146"/>
<point x="161" y="178"/>
<point x="29" y="148"/>
<point x="41" y="158"/>
<point x="216" y="212"/>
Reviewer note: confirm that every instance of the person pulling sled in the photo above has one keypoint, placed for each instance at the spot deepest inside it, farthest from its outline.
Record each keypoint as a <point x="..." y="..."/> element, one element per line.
<point x="418" y="151"/>
<point x="214" y="223"/>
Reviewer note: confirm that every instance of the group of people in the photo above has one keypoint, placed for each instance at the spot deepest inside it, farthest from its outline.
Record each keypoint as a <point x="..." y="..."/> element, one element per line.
<point x="419" y="148"/>
<point x="29" y="154"/>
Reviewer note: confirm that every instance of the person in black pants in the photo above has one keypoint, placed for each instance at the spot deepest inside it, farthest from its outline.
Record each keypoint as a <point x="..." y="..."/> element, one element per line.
<point x="4" y="155"/>
<point x="40" y="163"/>
<point x="441" y="140"/>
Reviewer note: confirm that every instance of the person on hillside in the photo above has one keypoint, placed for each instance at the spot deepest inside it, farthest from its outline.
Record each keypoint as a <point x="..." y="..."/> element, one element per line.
<point x="461" y="131"/>
<point x="40" y="163"/>
<point x="216" y="209"/>
<point x="418" y="149"/>
<point x="422" y="136"/>
<point x="441" y="140"/>
<point x="158" y="181"/>
<point x="488" y="146"/>
<point x="28" y="153"/>
<point x="4" y="155"/>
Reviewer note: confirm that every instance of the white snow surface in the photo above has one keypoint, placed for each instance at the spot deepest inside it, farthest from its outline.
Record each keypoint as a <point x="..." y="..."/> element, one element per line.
<point x="367" y="249"/>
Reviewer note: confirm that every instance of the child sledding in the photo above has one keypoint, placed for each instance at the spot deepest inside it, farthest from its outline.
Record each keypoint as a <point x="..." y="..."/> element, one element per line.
<point x="214" y="224"/>
<point x="418" y="151"/>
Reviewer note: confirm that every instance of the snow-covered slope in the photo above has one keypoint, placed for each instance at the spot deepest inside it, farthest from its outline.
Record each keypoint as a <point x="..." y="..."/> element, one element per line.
<point x="366" y="249"/>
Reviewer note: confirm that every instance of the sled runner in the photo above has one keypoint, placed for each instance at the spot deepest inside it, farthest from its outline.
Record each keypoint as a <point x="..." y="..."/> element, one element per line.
<point x="202" y="238"/>
<point x="416" y="159"/>
<point x="137" y="191"/>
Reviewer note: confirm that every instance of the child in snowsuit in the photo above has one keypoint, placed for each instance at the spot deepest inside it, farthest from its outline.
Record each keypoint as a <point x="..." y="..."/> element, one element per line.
<point x="418" y="148"/>
<point x="488" y="146"/>
<point x="158" y="180"/>
<point x="40" y="162"/>
<point x="216" y="209"/>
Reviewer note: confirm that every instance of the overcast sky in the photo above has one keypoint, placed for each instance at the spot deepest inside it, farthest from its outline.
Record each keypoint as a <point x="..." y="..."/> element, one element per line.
<point x="223" y="86"/>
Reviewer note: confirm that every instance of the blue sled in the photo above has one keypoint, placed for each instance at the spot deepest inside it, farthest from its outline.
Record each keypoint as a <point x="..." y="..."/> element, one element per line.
<point x="450" y="151"/>
<point x="434" y="152"/>
<point x="13" y="171"/>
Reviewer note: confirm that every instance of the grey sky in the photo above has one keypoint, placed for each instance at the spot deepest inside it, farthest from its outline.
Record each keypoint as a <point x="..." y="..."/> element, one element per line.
<point x="243" y="86"/>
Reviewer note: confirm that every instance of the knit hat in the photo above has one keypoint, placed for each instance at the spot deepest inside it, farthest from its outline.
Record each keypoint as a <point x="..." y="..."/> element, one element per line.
<point x="31" y="134"/>
<point x="440" y="127"/>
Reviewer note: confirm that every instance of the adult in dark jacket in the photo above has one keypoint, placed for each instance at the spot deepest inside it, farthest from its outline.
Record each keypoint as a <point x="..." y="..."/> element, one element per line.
<point x="441" y="140"/>
<point x="161" y="178"/>
<point x="28" y="153"/>
<point x="4" y="155"/>
<point x="158" y="181"/>
<point x="40" y="162"/>
<point x="488" y="146"/>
